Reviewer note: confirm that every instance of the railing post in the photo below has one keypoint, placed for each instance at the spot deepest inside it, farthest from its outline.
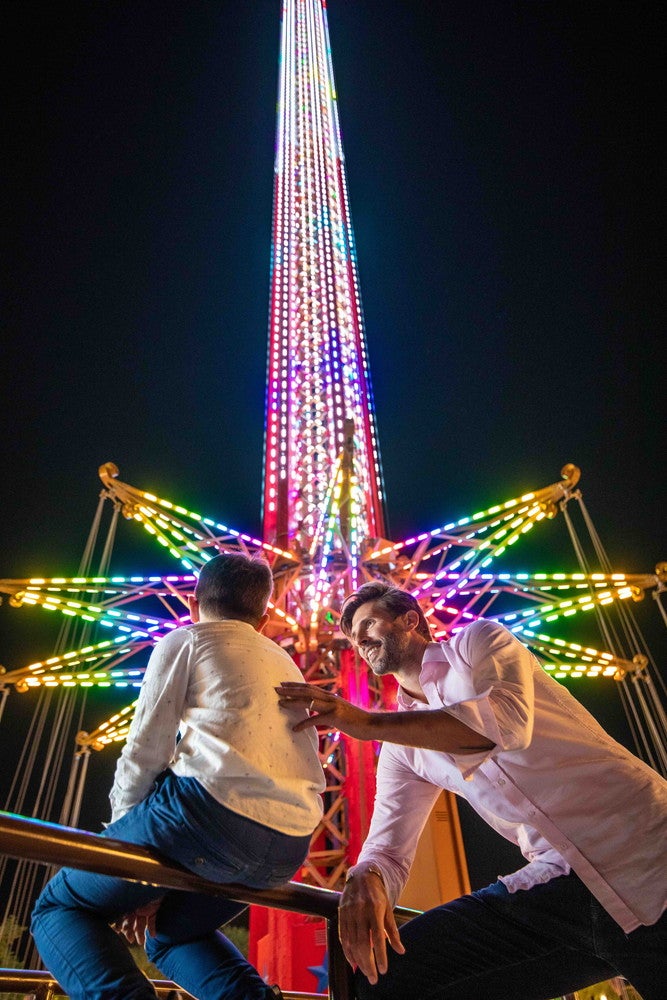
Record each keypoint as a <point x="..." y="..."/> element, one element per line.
<point x="341" y="977"/>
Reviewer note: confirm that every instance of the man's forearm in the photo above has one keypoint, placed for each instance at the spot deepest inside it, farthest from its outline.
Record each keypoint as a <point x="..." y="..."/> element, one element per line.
<point x="430" y="729"/>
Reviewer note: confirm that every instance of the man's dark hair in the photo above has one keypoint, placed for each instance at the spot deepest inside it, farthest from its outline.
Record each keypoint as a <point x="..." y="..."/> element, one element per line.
<point x="396" y="601"/>
<point x="234" y="585"/>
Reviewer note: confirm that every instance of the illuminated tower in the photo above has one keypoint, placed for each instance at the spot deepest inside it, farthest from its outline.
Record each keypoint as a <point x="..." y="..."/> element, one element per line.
<point x="323" y="494"/>
<point x="318" y="380"/>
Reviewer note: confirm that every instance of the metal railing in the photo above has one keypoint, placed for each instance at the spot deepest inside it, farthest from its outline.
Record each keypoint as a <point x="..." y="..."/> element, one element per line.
<point x="42" y="986"/>
<point x="36" y="840"/>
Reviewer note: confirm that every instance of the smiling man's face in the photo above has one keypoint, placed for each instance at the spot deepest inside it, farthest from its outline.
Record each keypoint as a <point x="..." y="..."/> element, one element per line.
<point x="381" y="638"/>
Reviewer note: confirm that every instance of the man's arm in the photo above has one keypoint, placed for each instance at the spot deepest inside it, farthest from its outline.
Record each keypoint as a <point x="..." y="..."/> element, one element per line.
<point x="495" y="714"/>
<point x="152" y="737"/>
<point x="403" y="804"/>
<point x="432" y="729"/>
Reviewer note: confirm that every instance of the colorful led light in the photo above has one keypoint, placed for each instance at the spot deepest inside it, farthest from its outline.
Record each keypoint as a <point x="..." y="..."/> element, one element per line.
<point x="323" y="492"/>
<point x="317" y="368"/>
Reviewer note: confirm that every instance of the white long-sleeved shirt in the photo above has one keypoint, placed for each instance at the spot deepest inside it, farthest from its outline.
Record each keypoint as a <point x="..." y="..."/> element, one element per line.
<point x="555" y="783"/>
<point x="214" y="683"/>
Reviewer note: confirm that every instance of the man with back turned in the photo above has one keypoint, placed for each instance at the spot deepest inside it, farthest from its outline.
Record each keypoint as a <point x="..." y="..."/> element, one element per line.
<point x="235" y="799"/>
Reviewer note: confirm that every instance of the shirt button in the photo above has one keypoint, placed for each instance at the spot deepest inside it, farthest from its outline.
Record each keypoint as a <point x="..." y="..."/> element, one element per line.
<point x="501" y="781"/>
<point x="200" y="861"/>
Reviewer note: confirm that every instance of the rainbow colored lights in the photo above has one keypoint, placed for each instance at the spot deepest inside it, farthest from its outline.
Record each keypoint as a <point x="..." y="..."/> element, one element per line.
<point x="323" y="531"/>
<point x="447" y="569"/>
<point x="318" y="379"/>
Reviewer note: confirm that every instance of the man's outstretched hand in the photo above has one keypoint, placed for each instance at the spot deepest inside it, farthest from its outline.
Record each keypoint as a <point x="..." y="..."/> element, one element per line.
<point x="365" y="924"/>
<point x="326" y="709"/>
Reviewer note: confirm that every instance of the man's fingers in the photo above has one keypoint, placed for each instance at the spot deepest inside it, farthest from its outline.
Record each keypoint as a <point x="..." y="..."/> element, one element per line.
<point x="362" y="937"/>
<point x="313" y="720"/>
<point x="322" y="718"/>
<point x="125" y="927"/>
<point x="320" y="704"/>
<point x="393" y="936"/>
<point x="296" y="691"/>
<point x="365" y="924"/>
<point x="379" y="944"/>
<point x="134" y="926"/>
<point x="291" y="691"/>
<point x="356" y="943"/>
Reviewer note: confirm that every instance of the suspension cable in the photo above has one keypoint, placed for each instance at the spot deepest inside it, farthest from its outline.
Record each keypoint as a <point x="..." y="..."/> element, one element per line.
<point x="641" y="704"/>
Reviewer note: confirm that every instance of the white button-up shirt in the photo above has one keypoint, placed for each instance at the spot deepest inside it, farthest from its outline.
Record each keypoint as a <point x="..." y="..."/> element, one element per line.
<point x="214" y="683"/>
<point x="554" y="783"/>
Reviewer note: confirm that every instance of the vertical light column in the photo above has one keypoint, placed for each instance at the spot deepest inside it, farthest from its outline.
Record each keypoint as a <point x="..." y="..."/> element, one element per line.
<point x="318" y="376"/>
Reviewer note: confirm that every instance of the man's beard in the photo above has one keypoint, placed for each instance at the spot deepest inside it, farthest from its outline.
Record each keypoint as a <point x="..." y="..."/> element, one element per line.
<point x="389" y="657"/>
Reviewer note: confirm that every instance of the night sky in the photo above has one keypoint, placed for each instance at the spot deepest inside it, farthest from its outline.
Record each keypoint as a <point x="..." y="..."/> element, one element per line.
<point x="503" y="168"/>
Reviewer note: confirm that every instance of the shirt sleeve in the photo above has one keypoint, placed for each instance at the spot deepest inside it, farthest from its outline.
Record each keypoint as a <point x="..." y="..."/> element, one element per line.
<point x="403" y="803"/>
<point x="152" y="737"/>
<point x="499" y="703"/>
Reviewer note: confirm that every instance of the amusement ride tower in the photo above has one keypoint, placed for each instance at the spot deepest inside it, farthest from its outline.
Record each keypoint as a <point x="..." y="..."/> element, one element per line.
<point x="323" y="514"/>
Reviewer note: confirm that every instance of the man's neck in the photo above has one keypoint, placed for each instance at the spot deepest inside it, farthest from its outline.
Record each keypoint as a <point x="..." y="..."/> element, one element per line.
<point x="408" y="676"/>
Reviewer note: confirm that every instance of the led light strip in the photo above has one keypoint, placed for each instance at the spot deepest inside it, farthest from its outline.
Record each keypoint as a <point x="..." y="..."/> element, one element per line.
<point x="317" y="369"/>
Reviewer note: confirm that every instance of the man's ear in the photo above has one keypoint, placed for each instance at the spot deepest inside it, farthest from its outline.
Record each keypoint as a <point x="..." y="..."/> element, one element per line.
<point x="193" y="605"/>
<point x="411" y="619"/>
<point x="262" y="623"/>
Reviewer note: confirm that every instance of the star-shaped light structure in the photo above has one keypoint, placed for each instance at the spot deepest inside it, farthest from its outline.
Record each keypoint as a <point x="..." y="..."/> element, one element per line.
<point x="451" y="569"/>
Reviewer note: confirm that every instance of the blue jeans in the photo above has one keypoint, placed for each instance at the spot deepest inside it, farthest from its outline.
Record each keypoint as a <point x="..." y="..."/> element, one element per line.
<point x="183" y="822"/>
<point x="535" y="944"/>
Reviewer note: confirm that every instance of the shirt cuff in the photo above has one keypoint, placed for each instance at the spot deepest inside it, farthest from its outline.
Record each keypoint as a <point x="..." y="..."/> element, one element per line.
<point x="393" y="875"/>
<point x="535" y="873"/>
<point x="368" y="868"/>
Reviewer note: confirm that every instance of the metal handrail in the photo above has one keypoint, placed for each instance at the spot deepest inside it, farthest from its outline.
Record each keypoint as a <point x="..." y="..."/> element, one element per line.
<point x="49" y="843"/>
<point x="42" y="986"/>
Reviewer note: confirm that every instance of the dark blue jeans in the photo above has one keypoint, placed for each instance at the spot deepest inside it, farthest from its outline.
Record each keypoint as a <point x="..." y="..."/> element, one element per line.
<point x="529" y="945"/>
<point x="71" y="918"/>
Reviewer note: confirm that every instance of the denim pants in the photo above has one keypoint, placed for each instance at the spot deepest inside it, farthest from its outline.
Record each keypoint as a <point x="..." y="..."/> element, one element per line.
<point x="183" y="822"/>
<point x="533" y="944"/>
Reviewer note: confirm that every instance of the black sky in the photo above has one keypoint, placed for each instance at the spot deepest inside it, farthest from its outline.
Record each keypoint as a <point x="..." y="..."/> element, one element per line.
<point x="504" y="172"/>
